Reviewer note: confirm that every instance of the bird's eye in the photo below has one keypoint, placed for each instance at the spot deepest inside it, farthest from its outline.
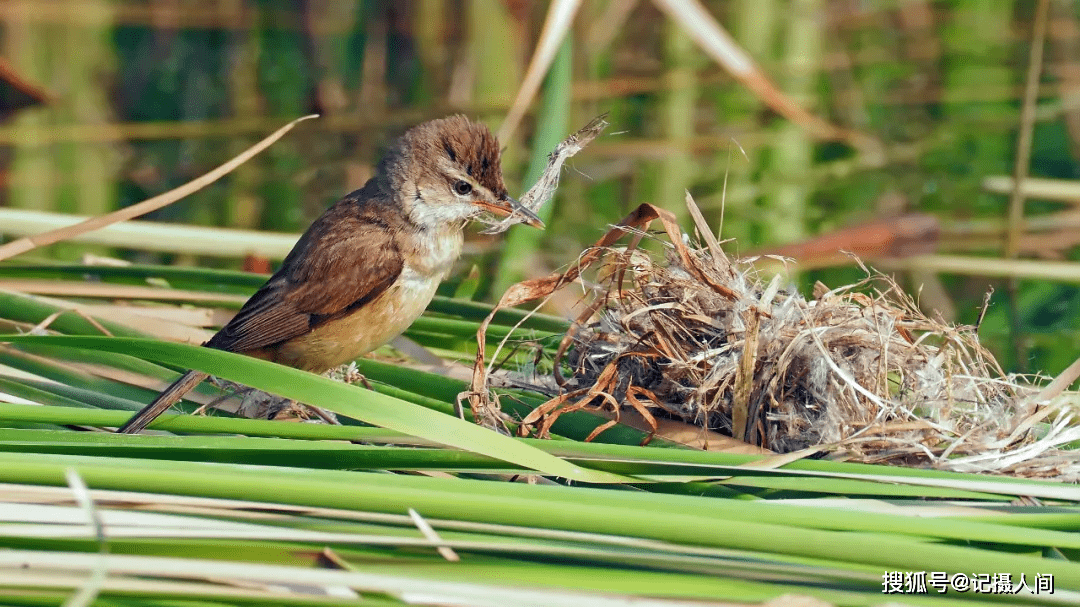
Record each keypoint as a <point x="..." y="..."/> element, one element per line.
<point x="463" y="187"/>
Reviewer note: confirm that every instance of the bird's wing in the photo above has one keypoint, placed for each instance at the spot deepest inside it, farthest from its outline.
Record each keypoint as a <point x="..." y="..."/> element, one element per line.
<point x="329" y="273"/>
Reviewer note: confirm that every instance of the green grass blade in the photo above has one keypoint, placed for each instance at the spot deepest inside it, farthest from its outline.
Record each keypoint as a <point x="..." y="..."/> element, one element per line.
<point x="695" y="521"/>
<point x="367" y="406"/>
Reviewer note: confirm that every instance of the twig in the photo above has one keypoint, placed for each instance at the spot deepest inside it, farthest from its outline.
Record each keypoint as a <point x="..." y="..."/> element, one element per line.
<point x="88" y="592"/>
<point x="445" y="551"/>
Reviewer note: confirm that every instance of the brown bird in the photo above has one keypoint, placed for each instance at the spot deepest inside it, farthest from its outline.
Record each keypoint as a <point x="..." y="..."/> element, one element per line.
<point x="369" y="266"/>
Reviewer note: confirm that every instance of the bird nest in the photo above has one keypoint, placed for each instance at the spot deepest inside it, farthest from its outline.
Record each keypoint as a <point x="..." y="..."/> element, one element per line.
<point x="858" y="371"/>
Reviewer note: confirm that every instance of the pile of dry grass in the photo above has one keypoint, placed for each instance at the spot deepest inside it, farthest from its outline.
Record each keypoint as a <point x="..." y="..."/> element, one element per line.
<point x="858" y="371"/>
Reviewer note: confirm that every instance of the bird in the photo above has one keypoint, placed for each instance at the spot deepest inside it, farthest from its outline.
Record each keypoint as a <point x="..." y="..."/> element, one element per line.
<point x="370" y="264"/>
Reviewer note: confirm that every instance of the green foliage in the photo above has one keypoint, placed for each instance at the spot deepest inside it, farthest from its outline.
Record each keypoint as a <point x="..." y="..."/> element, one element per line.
<point x="940" y="94"/>
<point x="220" y="510"/>
<point x="659" y="522"/>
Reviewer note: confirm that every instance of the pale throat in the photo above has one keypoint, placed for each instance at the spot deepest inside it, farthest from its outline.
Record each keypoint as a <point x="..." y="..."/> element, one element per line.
<point x="433" y="250"/>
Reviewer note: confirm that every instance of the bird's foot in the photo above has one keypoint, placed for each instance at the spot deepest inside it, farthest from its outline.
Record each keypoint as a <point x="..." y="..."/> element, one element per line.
<point x="299" y="412"/>
<point x="256" y="404"/>
<point x="230" y="386"/>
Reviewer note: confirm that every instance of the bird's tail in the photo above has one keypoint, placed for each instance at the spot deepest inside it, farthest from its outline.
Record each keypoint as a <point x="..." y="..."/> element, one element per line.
<point x="166" y="399"/>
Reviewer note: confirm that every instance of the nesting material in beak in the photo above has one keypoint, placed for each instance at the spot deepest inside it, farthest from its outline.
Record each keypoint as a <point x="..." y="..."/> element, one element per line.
<point x="509" y="208"/>
<point x="544" y="188"/>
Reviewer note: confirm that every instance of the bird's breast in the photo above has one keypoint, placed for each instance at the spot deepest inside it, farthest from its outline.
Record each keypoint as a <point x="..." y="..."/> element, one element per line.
<point x="368" y="327"/>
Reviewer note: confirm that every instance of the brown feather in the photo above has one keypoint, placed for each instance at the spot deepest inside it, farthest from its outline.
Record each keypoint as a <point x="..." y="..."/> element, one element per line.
<point x="345" y="259"/>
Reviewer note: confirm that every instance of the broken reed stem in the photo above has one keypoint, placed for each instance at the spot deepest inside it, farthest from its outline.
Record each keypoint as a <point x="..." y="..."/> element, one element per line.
<point x="29" y="243"/>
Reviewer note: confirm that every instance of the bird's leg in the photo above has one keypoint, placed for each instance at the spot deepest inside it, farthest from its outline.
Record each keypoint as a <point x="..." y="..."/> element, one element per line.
<point x="291" y="410"/>
<point x="346" y="373"/>
<point x="228" y="386"/>
<point x="256" y="404"/>
<point x="231" y="389"/>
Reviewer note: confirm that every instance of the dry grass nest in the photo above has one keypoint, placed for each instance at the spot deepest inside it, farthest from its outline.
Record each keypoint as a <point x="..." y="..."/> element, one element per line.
<point x="858" y="371"/>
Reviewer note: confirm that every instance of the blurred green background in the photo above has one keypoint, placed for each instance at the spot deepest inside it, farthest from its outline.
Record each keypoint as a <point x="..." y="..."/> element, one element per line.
<point x="144" y="95"/>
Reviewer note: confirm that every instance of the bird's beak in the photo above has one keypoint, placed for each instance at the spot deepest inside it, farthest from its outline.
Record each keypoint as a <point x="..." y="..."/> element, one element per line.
<point x="511" y="206"/>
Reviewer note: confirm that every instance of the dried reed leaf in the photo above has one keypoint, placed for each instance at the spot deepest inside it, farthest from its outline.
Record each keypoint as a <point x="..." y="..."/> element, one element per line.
<point x="704" y="229"/>
<point x="744" y="378"/>
<point x="699" y="24"/>
<point x="23" y="245"/>
<point x="67" y="288"/>
<point x="557" y="24"/>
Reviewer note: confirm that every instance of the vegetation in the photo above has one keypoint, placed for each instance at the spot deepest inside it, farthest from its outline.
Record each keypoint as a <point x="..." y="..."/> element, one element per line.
<point x="404" y="502"/>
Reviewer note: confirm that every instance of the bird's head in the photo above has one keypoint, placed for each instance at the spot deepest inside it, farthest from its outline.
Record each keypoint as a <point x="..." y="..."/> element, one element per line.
<point x="448" y="171"/>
